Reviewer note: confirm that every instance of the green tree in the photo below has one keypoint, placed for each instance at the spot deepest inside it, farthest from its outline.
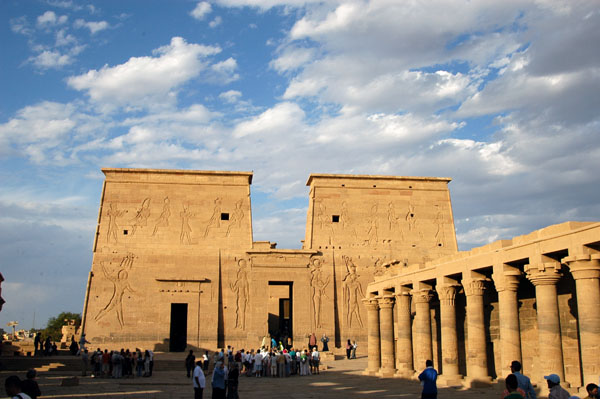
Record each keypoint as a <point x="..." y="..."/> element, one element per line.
<point x="54" y="327"/>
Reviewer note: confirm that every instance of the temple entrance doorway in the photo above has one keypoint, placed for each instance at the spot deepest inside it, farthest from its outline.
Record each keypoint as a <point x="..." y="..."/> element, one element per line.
<point x="280" y="311"/>
<point x="178" y="332"/>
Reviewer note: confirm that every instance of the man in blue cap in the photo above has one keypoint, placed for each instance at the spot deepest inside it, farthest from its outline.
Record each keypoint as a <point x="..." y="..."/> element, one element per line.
<point x="556" y="391"/>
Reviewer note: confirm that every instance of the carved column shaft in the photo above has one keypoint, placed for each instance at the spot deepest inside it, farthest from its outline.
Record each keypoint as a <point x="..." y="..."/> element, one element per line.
<point x="404" y="353"/>
<point x="476" y="351"/>
<point x="423" y="345"/>
<point x="447" y="295"/>
<point x="510" y="335"/>
<point x="373" y="343"/>
<point x="386" y="329"/>
<point x="544" y="277"/>
<point x="586" y="272"/>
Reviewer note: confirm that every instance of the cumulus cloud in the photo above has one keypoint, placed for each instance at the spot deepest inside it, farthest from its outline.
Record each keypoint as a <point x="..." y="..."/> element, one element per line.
<point x="141" y="80"/>
<point x="215" y="22"/>
<point x="93" y="26"/>
<point x="49" y="19"/>
<point x="201" y="10"/>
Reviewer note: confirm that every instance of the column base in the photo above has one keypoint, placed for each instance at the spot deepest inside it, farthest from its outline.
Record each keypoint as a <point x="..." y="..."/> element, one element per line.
<point x="386" y="373"/>
<point x="477" y="382"/>
<point x="450" y="380"/>
<point x="371" y="372"/>
<point x="408" y="374"/>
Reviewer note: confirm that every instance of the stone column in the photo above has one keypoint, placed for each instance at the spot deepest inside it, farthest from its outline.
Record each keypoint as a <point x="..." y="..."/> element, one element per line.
<point x="510" y="333"/>
<point x="476" y="343"/>
<point x="586" y="272"/>
<point x="373" y="343"/>
<point x="423" y="346"/>
<point x="544" y="277"/>
<point x="386" y="329"/>
<point x="447" y="295"/>
<point x="404" y="352"/>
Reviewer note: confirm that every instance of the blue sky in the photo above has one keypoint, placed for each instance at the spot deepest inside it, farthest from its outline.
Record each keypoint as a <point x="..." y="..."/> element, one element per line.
<point x="500" y="96"/>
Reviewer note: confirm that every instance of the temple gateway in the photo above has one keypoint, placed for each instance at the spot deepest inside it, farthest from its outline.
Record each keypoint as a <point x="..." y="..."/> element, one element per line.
<point x="175" y="267"/>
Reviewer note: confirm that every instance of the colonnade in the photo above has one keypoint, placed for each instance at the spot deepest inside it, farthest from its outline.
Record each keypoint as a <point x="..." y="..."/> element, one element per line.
<point x="391" y="351"/>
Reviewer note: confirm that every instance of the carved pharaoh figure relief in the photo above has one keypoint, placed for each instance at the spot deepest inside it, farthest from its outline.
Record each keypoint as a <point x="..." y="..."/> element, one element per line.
<point x="186" y="230"/>
<point x="120" y="283"/>
<point x="318" y="286"/>
<point x="353" y="293"/>
<point x="241" y="289"/>
<point x="113" y="213"/>
<point x="236" y="217"/>
<point x="373" y="222"/>
<point x="141" y="216"/>
<point x="215" y="219"/>
<point x="163" y="219"/>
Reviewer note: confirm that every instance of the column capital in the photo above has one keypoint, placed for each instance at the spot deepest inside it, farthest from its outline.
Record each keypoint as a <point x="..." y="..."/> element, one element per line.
<point x="507" y="281"/>
<point x="474" y="286"/>
<point x="422" y="295"/>
<point x="386" y="302"/>
<point x="543" y="273"/>
<point x="447" y="293"/>
<point x="371" y="303"/>
<point x="583" y="266"/>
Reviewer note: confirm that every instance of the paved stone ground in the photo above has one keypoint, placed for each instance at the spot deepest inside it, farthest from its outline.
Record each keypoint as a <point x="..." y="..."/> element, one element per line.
<point x="343" y="379"/>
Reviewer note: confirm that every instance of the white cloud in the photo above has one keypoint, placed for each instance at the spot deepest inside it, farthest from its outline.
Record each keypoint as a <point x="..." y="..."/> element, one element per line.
<point x="292" y="58"/>
<point x="93" y="26"/>
<point x="271" y="122"/>
<point x="231" y="96"/>
<point x="224" y="71"/>
<point x="49" y="19"/>
<point x="215" y="22"/>
<point x="51" y="59"/>
<point x="142" y="80"/>
<point x="202" y="9"/>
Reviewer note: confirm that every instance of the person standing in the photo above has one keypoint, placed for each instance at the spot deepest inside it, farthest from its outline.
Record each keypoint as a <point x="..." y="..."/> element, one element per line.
<point x="353" y="351"/>
<point x="592" y="390"/>
<point x="206" y="360"/>
<point x="428" y="379"/>
<point x="512" y="388"/>
<point x="348" y="349"/>
<point x="325" y="341"/>
<point x="556" y="391"/>
<point x="315" y="360"/>
<point x="199" y="380"/>
<point x="84" y="362"/>
<point x="524" y="381"/>
<point x="232" y="382"/>
<point x="218" y="381"/>
<point x="190" y="360"/>
<point x="12" y="385"/>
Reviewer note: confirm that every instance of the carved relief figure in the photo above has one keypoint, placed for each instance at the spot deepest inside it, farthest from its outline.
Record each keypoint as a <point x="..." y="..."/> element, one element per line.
<point x="241" y="289"/>
<point x="163" y="219"/>
<point x="373" y="226"/>
<point x="353" y="292"/>
<point x="345" y="219"/>
<point x="236" y="217"/>
<point x="321" y="211"/>
<point x="120" y="285"/>
<point x="318" y="286"/>
<point x="411" y="217"/>
<point x="186" y="230"/>
<point x="113" y="213"/>
<point x="141" y="216"/>
<point x="392" y="217"/>
<point x="215" y="219"/>
<point x="378" y="266"/>
<point x="439" y="222"/>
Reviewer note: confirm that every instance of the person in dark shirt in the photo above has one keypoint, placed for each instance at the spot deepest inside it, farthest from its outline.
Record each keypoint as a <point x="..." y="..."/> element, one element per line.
<point x="428" y="378"/>
<point x="30" y="386"/>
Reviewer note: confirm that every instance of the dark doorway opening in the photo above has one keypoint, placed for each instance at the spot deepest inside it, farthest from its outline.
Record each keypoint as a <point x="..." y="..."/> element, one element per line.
<point x="178" y="334"/>
<point x="281" y="311"/>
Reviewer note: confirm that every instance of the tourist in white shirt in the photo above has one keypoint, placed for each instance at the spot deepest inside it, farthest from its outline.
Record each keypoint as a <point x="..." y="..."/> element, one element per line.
<point x="199" y="380"/>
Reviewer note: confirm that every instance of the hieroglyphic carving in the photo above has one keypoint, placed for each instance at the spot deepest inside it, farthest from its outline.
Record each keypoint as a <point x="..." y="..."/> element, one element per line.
<point x="353" y="292"/>
<point x="411" y="218"/>
<point x="113" y="213"/>
<point x="236" y="217"/>
<point x="163" y="219"/>
<point x="373" y="226"/>
<point x="378" y="267"/>
<point x="392" y="217"/>
<point x="345" y="219"/>
<point x="186" y="230"/>
<point x="241" y="289"/>
<point x="318" y="286"/>
<point x="321" y="214"/>
<point x="215" y="219"/>
<point x="141" y="216"/>
<point x="120" y="285"/>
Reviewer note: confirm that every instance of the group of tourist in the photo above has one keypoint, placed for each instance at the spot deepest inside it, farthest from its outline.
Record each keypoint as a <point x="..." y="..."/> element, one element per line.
<point x="44" y="347"/>
<point x="518" y="386"/>
<point x="117" y="364"/>
<point x="23" y="389"/>
<point x="264" y="362"/>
